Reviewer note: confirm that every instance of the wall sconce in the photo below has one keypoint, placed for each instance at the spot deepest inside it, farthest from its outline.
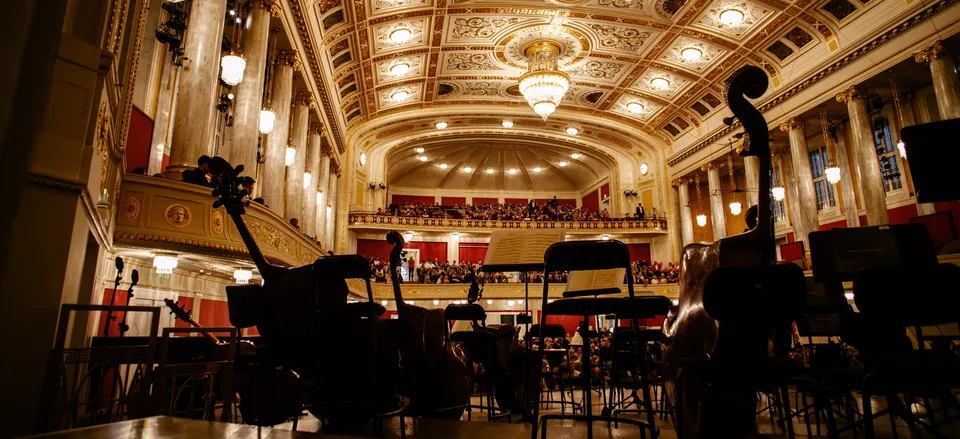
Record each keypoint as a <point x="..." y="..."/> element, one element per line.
<point x="291" y="155"/>
<point x="630" y="193"/>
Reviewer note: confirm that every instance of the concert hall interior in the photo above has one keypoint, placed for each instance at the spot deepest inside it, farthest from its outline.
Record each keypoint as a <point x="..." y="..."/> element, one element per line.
<point x="455" y="218"/>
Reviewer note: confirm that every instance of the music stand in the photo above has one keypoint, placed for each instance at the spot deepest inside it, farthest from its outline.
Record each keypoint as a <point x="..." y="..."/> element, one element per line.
<point x="525" y="269"/>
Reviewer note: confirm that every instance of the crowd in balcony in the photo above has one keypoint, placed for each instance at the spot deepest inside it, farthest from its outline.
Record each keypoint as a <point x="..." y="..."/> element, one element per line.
<point x="432" y="271"/>
<point x="551" y="210"/>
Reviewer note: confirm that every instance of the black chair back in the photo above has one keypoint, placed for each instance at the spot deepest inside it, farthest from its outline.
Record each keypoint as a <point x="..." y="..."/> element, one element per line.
<point x="470" y="311"/>
<point x="914" y="297"/>
<point x="586" y="255"/>
<point x="763" y="295"/>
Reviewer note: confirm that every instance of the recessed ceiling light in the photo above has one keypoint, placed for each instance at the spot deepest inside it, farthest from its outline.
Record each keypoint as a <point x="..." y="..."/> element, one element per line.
<point x="489" y="170"/>
<point x="400" y="69"/>
<point x="507" y="124"/>
<point x="691" y="54"/>
<point x="575" y="156"/>
<point x="443" y="166"/>
<point x="635" y="107"/>
<point x="419" y="150"/>
<point x="230" y="96"/>
<point x="511" y="171"/>
<point x="659" y="83"/>
<point x="400" y="95"/>
<point x="731" y="17"/>
<point x="562" y="164"/>
<point x="537" y="169"/>
<point x="401" y="35"/>
<point x="467" y="169"/>
<point x="423" y="158"/>
<point x="441" y="125"/>
<point x="572" y="131"/>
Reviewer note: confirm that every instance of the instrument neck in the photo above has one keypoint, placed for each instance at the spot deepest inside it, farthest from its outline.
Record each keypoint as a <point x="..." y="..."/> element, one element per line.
<point x="207" y="335"/>
<point x="267" y="270"/>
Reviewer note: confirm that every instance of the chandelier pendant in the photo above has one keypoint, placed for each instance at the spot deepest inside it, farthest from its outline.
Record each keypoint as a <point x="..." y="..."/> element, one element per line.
<point x="544" y="84"/>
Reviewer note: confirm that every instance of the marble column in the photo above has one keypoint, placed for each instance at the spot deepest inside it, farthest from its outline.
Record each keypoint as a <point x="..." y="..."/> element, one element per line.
<point x="790" y="189"/>
<point x="943" y="72"/>
<point x="166" y="100"/>
<point x="248" y="100"/>
<point x="686" y="218"/>
<point x="717" y="214"/>
<point x="274" y="165"/>
<point x="751" y="174"/>
<point x="805" y="218"/>
<point x="331" y="219"/>
<point x="198" y="88"/>
<point x="868" y="166"/>
<point x="310" y="190"/>
<point x="323" y="181"/>
<point x="847" y="174"/>
<point x="293" y="191"/>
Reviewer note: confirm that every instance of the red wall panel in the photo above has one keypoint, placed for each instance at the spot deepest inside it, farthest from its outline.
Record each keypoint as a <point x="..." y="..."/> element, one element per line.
<point x="604" y="191"/>
<point x="164" y="162"/>
<point x="639" y="252"/>
<point x="954" y="208"/>
<point x="790" y="237"/>
<point x="430" y="250"/>
<point x="187" y="304"/>
<point x="121" y="300"/>
<point x="863" y="220"/>
<point x="138" y="140"/>
<point x="473" y="252"/>
<point x="433" y="250"/>
<point x="591" y="201"/>
<point x="213" y="313"/>
<point x="413" y="199"/>
<point x="567" y="202"/>
<point x="834" y="225"/>
<point x="517" y="201"/>
<point x="453" y="201"/>
<point x="791" y="251"/>
<point x="902" y="214"/>
<point x="478" y="201"/>
<point x="370" y="248"/>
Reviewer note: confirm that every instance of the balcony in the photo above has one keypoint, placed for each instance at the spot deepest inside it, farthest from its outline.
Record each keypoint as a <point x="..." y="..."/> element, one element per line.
<point x="372" y="221"/>
<point x="161" y="214"/>
<point x="513" y="290"/>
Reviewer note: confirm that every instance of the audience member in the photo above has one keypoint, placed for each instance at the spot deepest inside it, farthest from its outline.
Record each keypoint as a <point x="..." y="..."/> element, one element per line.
<point x="198" y="175"/>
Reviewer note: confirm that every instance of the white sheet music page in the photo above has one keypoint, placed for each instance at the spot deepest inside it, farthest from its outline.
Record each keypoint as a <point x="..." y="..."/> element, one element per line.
<point x="521" y="246"/>
<point x="596" y="279"/>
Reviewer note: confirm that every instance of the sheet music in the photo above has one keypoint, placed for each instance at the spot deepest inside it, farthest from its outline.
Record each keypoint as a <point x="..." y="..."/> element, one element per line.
<point x="521" y="246"/>
<point x="596" y="279"/>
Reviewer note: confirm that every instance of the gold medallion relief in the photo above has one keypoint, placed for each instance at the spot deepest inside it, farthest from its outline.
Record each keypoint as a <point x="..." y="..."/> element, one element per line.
<point x="131" y="208"/>
<point x="217" y="223"/>
<point x="177" y="215"/>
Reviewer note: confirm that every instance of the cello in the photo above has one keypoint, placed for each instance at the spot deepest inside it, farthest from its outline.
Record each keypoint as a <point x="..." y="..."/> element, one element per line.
<point x="691" y="334"/>
<point x="438" y="374"/>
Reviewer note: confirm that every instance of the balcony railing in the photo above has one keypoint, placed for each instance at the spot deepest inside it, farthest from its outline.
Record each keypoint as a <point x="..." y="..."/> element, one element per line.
<point x="617" y="225"/>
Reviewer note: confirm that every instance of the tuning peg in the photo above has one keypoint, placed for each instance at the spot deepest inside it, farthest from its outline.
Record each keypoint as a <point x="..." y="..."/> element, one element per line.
<point x="729" y="120"/>
<point x="217" y="204"/>
<point x="238" y="169"/>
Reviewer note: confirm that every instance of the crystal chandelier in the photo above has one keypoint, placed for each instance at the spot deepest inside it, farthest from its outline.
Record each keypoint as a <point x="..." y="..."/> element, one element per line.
<point x="778" y="193"/>
<point x="242" y="276"/>
<point x="735" y="207"/>
<point x="833" y="174"/>
<point x="544" y="85"/>
<point x="164" y="264"/>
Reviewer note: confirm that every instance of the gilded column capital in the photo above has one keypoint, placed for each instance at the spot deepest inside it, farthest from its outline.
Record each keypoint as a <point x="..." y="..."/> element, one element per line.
<point x="303" y="98"/>
<point x="325" y="149"/>
<point x="323" y="130"/>
<point x="793" y="123"/>
<point x="269" y="5"/>
<point x="709" y="167"/>
<point x="314" y="128"/>
<point x="290" y="58"/>
<point x="932" y="52"/>
<point x="854" y="92"/>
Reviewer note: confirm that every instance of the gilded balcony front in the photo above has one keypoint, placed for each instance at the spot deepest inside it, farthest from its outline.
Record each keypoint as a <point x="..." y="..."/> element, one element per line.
<point x="370" y="221"/>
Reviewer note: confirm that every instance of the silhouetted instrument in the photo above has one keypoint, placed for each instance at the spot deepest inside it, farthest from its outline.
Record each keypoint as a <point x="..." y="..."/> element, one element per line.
<point x="692" y="335"/>
<point x="441" y="378"/>
<point x="267" y="395"/>
<point x="134" y="280"/>
<point x="113" y="298"/>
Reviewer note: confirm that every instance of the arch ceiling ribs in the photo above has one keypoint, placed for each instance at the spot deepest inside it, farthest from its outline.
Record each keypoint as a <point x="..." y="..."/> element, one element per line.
<point x="523" y="170"/>
<point x="460" y="164"/>
<point x="472" y="183"/>
<point x="560" y="171"/>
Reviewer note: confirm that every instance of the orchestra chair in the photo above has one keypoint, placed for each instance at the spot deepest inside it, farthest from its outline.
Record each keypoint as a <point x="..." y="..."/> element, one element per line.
<point x="480" y="344"/>
<point x="751" y="304"/>
<point x="629" y="355"/>
<point x="913" y="363"/>
<point x="549" y="378"/>
<point x="582" y="256"/>
<point x="86" y="386"/>
<point x="364" y="316"/>
<point x="189" y="387"/>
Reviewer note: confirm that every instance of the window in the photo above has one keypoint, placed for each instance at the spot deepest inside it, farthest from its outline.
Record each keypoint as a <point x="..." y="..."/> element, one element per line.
<point x="825" y="193"/>
<point x="887" y="153"/>
<point x="778" y="208"/>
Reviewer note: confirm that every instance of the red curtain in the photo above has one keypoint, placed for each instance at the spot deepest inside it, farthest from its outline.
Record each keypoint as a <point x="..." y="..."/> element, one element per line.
<point x="605" y="191"/>
<point x="591" y="201"/>
<point x="453" y="201"/>
<point x="473" y="252"/>
<point x="902" y="214"/>
<point x="430" y="250"/>
<point x="414" y="199"/>
<point x="478" y="201"/>
<point x="139" y="137"/>
<point x="639" y="252"/>
<point x="370" y="248"/>
<point x="187" y="304"/>
<point x="518" y="201"/>
<point x="213" y="313"/>
<point x="791" y="251"/>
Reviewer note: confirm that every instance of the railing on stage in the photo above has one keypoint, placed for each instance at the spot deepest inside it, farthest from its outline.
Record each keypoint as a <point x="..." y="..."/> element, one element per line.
<point x="613" y="225"/>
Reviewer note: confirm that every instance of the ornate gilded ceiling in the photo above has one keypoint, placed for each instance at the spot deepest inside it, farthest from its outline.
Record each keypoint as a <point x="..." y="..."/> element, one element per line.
<point x="628" y="60"/>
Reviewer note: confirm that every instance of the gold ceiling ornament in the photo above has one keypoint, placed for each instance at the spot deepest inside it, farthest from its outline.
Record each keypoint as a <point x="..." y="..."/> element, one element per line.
<point x="303" y="98"/>
<point x="793" y="123"/>
<point x="932" y="52"/>
<point x="544" y="84"/>
<point x="709" y="167"/>
<point x="854" y="92"/>
<point x="290" y="58"/>
<point x="269" y="5"/>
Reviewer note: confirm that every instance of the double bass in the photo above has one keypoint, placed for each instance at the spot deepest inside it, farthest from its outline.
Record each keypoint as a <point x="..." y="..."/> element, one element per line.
<point x="691" y="335"/>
